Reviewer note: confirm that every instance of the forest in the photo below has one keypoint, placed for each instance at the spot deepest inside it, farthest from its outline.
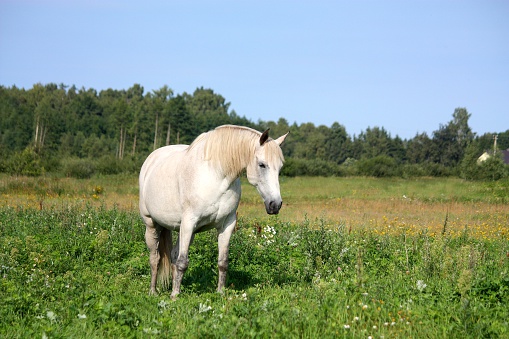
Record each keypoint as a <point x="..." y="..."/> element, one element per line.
<point x="78" y="133"/>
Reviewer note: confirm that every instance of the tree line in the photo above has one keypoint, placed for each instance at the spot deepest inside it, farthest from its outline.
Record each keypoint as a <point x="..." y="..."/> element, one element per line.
<point x="79" y="132"/>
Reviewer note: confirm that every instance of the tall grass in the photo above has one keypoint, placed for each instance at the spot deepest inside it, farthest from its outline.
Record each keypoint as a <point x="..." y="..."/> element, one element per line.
<point x="82" y="271"/>
<point x="346" y="257"/>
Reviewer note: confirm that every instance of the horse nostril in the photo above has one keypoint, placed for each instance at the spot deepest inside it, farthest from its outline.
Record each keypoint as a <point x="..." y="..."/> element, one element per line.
<point x="273" y="207"/>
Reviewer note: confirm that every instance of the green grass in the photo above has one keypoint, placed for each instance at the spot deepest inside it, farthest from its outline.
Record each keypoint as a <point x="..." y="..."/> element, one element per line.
<point x="72" y="271"/>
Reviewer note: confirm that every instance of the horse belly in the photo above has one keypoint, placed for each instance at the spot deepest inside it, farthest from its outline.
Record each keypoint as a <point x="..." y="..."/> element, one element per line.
<point x="162" y="208"/>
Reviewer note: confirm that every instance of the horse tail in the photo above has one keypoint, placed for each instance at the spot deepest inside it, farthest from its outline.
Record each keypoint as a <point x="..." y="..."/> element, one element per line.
<point x="164" y="267"/>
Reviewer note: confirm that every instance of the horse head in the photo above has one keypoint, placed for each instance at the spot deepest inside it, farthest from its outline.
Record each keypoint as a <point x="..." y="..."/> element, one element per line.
<point x="263" y="171"/>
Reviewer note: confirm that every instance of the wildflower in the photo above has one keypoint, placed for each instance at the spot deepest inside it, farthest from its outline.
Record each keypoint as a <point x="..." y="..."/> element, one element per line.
<point x="204" y="308"/>
<point x="356" y="319"/>
<point x="82" y="316"/>
<point x="347" y="326"/>
<point x="150" y="330"/>
<point x="51" y="316"/>
<point x="364" y="307"/>
<point x="163" y="305"/>
<point x="421" y="285"/>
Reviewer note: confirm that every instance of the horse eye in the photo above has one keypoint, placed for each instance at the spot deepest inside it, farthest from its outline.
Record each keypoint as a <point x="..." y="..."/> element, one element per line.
<point x="262" y="165"/>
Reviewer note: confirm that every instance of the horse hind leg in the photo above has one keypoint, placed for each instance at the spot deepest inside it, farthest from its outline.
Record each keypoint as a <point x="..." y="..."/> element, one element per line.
<point x="158" y="241"/>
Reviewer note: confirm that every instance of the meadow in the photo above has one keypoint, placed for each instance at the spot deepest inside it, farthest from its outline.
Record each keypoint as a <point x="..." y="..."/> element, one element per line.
<point x="346" y="257"/>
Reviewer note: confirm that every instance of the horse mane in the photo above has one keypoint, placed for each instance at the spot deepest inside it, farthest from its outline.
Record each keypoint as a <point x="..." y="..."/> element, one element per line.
<point x="232" y="148"/>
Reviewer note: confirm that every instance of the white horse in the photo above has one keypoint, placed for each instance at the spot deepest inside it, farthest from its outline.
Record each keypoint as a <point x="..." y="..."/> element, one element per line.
<point x="194" y="188"/>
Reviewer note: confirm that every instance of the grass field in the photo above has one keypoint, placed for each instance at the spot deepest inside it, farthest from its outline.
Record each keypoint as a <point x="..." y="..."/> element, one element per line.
<point x="346" y="257"/>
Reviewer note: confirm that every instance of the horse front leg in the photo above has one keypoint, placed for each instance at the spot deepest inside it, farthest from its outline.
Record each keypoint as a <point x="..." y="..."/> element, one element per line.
<point x="180" y="258"/>
<point x="223" y="244"/>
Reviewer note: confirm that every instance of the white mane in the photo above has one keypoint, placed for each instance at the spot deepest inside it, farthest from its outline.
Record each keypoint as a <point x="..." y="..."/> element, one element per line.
<point x="232" y="148"/>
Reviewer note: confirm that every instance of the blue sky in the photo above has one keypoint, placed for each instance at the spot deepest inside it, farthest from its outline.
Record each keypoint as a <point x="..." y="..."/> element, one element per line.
<point x="401" y="65"/>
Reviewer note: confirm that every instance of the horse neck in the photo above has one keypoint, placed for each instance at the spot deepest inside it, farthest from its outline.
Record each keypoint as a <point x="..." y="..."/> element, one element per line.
<point x="229" y="155"/>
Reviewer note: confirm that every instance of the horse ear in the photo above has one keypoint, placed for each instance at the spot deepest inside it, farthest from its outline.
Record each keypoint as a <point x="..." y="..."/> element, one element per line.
<point x="264" y="137"/>
<point x="281" y="139"/>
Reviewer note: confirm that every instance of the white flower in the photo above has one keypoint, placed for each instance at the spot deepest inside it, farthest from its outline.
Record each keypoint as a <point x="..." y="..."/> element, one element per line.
<point x="51" y="315"/>
<point x="421" y="285"/>
<point x="356" y="319"/>
<point x="82" y="316"/>
<point x="347" y="326"/>
<point x="163" y="304"/>
<point x="204" y="308"/>
<point x="150" y="330"/>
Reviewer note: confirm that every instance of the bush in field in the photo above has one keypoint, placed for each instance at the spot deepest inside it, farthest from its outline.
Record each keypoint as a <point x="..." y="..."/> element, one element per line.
<point x="491" y="169"/>
<point x="380" y="166"/>
<point x="413" y="170"/>
<point x="109" y="164"/>
<point x="303" y="167"/>
<point x="438" y="170"/>
<point x="78" y="168"/>
<point x="26" y="162"/>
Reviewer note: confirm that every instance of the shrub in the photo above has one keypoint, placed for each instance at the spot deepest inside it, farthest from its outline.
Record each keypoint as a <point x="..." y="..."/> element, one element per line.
<point x="303" y="167"/>
<point x="437" y="170"/>
<point x="380" y="167"/>
<point x="26" y="162"/>
<point x="492" y="168"/>
<point x="413" y="170"/>
<point x="109" y="164"/>
<point x="78" y="168"/>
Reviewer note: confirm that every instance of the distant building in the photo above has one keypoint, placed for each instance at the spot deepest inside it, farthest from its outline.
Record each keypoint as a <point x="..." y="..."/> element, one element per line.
<point x="486" y="155"/>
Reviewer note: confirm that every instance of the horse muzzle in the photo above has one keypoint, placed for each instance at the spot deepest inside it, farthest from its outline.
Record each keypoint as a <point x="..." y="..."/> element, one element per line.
<point x="273" y="207"/>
